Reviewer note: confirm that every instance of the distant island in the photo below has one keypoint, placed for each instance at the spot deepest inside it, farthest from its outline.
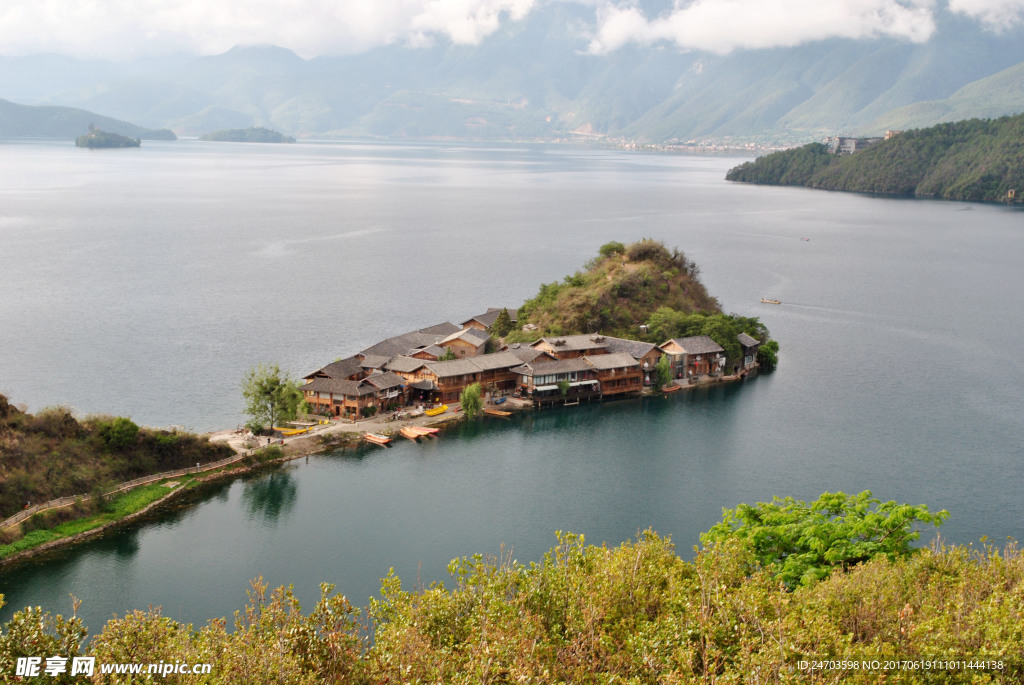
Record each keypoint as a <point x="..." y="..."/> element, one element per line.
<point x="256" y="134"/>
<point x="96" y="138"/>
<point x="979" y="160"/>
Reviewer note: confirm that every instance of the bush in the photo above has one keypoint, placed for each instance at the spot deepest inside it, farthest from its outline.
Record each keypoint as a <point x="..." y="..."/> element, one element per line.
<point x="118" y="434"/>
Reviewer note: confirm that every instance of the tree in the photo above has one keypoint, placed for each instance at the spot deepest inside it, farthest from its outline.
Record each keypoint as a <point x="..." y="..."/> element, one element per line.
<point x="802" y="543"/>
<point x="270" y="396"/>
<point x="448" y="355"/>
<point x="563" y="387"/>
<point x="768" y="356"/>
<point x="502" y="324"/>
<point x="119" y="433"/>
<point x="662" y="373"/>
<point x="471" y="401"/>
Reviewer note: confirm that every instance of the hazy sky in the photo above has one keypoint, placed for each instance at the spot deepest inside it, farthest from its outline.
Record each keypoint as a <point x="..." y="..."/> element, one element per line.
<point x="122" y="29"/>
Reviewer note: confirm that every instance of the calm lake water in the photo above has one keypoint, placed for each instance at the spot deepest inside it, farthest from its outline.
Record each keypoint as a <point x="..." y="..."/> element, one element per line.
<point x="146" y="282"/>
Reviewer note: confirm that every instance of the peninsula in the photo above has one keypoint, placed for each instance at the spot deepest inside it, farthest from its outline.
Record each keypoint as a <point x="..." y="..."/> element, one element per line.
<point x="978" y="160"/>
<point x="256" y="134"/>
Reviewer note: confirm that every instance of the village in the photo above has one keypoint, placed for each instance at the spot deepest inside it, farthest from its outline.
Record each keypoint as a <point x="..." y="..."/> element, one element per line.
<point x="429" y="368"/>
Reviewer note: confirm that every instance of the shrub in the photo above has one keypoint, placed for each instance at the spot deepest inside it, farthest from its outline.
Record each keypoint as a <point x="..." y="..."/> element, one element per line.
<point x="119" y="433"/>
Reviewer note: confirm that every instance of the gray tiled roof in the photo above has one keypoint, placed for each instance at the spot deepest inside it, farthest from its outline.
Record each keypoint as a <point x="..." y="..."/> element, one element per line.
<point x="560" y="366"/>
<point x="498" y="360"/>
<point x="587" y="341"/>
<point x="747" y="341"/>
<point x="454" y="367"/>
<point x="385" y="380"/>
<point x="491" y="315"/>
<point x="698" y="344"/>
<point x="471" y="335"/>
<point x="339" y="387"/>
<point x="435" y="350"/>
<point x="616" y="360"/>
<point x="374" y="361"/>
<point x="442" y="329"/>
<point x="636" y="348"/>
<point x="341" y="369"/>
<point x="529" y="354"/>
<point x="405" y="364"/>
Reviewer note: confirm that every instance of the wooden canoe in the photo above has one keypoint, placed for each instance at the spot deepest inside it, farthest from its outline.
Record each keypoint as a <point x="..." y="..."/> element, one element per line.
<point x="767" y="301"/>
<point x="671" y="387"/>
<point x="408" y="432"/>
<point x="376" y="439"/>
<point x="423" y="431"/>
<point x="497" y="412"/>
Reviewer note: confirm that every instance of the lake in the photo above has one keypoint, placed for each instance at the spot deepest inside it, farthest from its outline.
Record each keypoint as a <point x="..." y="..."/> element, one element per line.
<point x="146" y="282"/>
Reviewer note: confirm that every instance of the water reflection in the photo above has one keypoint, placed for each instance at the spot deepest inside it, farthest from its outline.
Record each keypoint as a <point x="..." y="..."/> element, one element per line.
<point x="270" y="496"/>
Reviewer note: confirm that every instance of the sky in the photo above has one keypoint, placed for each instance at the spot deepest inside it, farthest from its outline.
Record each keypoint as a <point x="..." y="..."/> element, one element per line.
<point x="126" y="29"/>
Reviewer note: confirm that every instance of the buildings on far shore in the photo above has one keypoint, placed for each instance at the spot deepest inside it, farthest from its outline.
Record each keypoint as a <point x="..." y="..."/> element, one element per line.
<point x="436" y="364"/>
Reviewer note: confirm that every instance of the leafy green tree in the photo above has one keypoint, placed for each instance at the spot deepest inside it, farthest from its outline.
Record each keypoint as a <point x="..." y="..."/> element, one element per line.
<point x="563" y="387"/>
<point x="270" y="396"/>
<point x="449" y="354"/>
<point x="612" y="248"/>
<point x="119" y="433"/>
<point x="802" y="543"/>
<point x="662" y="373"/>
<point x="768" y="355"/>
<point x="471" y="400"/>
<point x="502" y="324"/>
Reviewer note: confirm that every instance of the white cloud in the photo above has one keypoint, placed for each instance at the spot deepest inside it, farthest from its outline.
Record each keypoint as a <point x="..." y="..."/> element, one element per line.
<point x="996" y="14"/>
<point x="122" y="28"/>
<point x="724" y="25"/>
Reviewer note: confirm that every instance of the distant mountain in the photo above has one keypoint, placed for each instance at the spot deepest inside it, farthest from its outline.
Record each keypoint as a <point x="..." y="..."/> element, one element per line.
<point x="977" y="159"/>
<point x="534" y="79"/>
<point x="21" y="121"/>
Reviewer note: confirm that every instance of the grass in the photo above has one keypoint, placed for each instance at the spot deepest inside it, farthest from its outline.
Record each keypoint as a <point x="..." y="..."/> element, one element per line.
<point x="118" y="508"/>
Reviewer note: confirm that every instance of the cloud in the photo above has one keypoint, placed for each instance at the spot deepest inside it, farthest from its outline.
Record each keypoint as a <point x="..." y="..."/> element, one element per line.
<point x="722" y="26"/>
<point x="126" y="28"/>
<point x="995" y="14"/>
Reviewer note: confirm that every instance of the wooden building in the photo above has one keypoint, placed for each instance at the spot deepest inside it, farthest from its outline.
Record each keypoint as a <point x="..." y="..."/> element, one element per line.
<point x="341" y="398"/>
<point x="618" y="373"/>
<point x="694" y="358"/>
<point x="572" y="346"/>
<point x="485" y="321"/>
<point x="469" y="342"/>
<point x="749" y="346"/>
<point x="540" y="381"/>
<point x="647" y="354"/>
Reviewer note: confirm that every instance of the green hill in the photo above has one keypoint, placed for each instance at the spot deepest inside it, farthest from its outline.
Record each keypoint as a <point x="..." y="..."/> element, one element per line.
<point x="26" y="121"/>
<point x="96" y="138"/>
<point x="978" y="160"/>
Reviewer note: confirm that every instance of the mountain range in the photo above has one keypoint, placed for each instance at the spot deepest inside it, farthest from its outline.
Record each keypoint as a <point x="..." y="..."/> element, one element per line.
<point x="534" y="79"/>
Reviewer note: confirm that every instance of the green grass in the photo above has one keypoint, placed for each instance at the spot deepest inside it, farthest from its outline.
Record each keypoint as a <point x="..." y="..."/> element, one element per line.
<point x="117" y="509"/>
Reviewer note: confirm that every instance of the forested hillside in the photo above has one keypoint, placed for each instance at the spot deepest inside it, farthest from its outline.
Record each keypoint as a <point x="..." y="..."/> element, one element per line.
<point x="978" y="160"/>
<point x="17" y="121"/>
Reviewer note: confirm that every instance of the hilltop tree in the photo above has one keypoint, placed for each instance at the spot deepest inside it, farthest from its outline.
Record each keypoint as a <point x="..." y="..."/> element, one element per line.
<point x="270" y="396"/>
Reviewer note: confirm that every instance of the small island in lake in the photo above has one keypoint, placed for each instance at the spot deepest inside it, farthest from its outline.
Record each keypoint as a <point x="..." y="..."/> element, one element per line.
<point x="96" y="138"/>
<point x="979" y="160"/>
<point x="256" y="134"/>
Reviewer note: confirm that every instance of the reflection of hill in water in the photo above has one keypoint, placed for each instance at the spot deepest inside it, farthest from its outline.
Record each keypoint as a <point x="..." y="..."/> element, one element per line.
<point x="270" y="496"/>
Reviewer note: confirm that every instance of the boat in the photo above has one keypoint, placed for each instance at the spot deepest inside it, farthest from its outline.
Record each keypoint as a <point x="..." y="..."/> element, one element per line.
<point x="376" y="438"/>
<point x="408" y="432"/>
<point x="671" y="387"/>
<point x="767" y="301"/>
<point x="498" y="400"/>
<point x="423" y="431"/>
<point x="497" y="412"/>
<point x="437" y="410"/>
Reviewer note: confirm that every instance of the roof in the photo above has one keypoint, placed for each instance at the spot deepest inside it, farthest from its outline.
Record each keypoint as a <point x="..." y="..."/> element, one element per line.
<point x="636" y="348"/>
<point x="423" y="385"/>
<point x="434" y="350"/>
<point x="374" y="361"/>
<point x="446" y="328"/>
<point x="555" y="367"/>
<point x="747" y="341"/>
<point x="697" y="344"/>
<point x="470" y="335"/>
<point x="341" y="369"/>
<point x="455" y="367"/>
<point x="405" y="364"/>
<point x="587" y="341"/>
<point x="338" y="386"/>
<point x="528" y="354"/>
<point x="498" y="360"/>
<point x="616" y="360"/>
<point x="385" y="380"/>
<point x="491" y="315"/>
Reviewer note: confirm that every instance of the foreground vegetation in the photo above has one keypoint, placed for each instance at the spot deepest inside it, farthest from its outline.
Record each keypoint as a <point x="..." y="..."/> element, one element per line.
<point x="977" y="160"/>
<point x="641" y="291"/>
<point x="52" y="454"/>
<point x="636" y="613"/>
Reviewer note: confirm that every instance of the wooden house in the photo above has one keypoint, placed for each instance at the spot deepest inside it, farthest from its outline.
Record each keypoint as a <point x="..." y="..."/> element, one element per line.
<point x="496" y="370"/>
<point x="343" y="398"/>
<point x="450" y="377"/>
<point x="469" y="342"/>
<point x="647" y="354"/>
<point x="618" y="373"/>
<point x="694" y="358"/>
<point x="343" y="369"/>
<point x="749" y="346"/>
<point x="485" y="321"/>
<point x="541" y="381"/>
